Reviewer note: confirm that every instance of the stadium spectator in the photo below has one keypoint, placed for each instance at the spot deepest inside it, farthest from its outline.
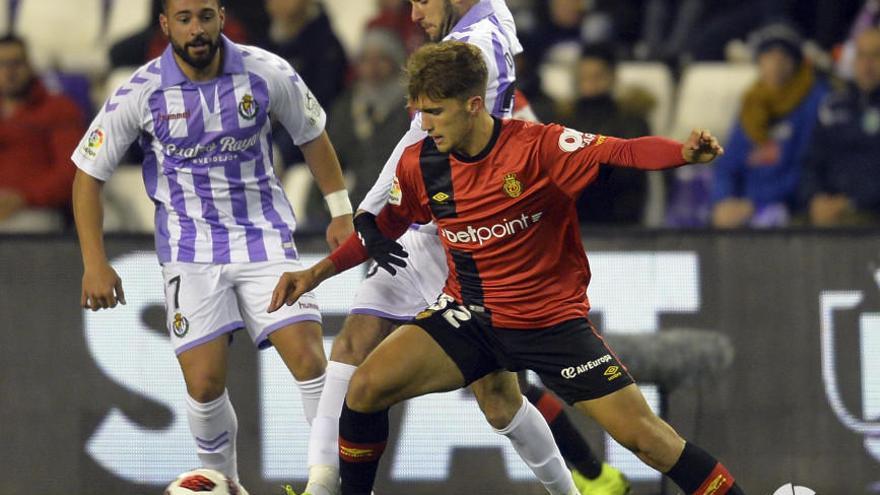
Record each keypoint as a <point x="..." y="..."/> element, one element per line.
<point x="867" y="18"/>
<point x="300" y="32"/>
<point x="562" y="25"/>
<point x="842" y="168"/>
<point x="618" y="196"/>
<point x="756" y="182"/>
<point x="37" y="132"/>
<point x="367" y="120"/>
<point x="394" y="15"/>
<point x="148" y="44"/>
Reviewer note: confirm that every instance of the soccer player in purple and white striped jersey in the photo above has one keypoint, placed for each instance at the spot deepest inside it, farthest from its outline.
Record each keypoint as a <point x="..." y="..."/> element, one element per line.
<point x="202" y="112"/>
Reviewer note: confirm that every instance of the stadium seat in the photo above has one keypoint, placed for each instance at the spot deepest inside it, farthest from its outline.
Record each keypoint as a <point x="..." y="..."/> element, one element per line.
<point x="709" y="96"/>
<point x="126" y="18"/>
<point x="127" y="208"/>
<point x="656" y="79"/>
<point x="63" y="34"/>
<point x="557" y="72"/>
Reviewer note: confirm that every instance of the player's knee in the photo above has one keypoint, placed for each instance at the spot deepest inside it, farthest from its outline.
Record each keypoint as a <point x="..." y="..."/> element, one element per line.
<point x="499" y="409"/>
<point x="204" y="388"/>
<point x="307" y="362"/>
<point x="346" y="350"/>
<point x="365" y="393"/>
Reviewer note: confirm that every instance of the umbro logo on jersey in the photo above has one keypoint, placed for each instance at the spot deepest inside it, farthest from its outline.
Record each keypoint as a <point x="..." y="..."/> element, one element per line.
<point x="440" y="197"/>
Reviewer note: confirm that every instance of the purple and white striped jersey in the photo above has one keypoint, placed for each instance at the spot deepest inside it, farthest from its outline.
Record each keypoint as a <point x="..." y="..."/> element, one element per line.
<point x="489" y="26"/>
<point x="208" y="152"/>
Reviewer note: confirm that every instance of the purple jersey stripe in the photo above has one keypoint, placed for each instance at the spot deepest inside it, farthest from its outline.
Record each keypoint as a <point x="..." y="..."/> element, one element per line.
<point x="219" y="233"/>
<point x="254" y="236"/>
<point x="157" y="109"/>
<point x="163" y="247"/>
<point x="186" y="245"/>
<point x="499" y="107"/>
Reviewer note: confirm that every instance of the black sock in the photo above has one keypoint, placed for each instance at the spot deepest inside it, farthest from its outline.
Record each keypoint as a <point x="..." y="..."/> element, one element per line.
<point x="362" y="438"/>
<point x="571" y="444"/>
<point x="698" y="473"/>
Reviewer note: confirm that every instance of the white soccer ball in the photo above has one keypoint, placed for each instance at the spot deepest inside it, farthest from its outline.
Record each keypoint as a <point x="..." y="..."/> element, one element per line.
<point x="204" y="481"/>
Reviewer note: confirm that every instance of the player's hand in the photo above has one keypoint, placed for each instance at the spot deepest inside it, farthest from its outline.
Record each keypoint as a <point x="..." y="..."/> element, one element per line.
<point x="339" y="230"/>
<point x="384" y="251"/>
<point x="101" y="288"/>
<point x="291" y="286"/>
<point x="701" y="147"/>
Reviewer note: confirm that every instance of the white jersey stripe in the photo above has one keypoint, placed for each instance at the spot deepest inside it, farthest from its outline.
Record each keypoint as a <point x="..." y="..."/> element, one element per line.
<point x="174" y="106"/>
<point x="211" y="118"/>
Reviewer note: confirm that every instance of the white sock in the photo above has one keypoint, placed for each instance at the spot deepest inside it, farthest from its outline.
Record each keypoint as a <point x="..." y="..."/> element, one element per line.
<point x="324" y="437"/>
<point x="214" y="427"/>
<point x="311" y="394"/>
<point x="533" y="441"/>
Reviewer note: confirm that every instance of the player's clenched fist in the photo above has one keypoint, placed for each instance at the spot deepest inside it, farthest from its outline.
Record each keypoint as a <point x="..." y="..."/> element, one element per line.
<point x="101" y="288"/>
<point x="701" y="147"/>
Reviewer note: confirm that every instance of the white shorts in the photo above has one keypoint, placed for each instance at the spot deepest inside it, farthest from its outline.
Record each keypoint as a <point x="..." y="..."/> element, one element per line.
<point x="413" y="288"/>
<point x="204" y="301"/>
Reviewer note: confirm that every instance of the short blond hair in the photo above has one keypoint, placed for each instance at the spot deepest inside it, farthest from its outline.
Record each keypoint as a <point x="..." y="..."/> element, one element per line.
<point x="449" y="69"/>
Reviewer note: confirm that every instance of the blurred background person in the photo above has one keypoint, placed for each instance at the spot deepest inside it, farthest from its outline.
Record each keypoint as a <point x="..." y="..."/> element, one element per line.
<point x="755" y="183"/>
<point x="37" y="132"/>
<point x="300" y="32"/>
<point x="617" y="196"/>
<point x="394" y="15"/>
<point x="367" y="120"/>
<point x="842" y="169"/>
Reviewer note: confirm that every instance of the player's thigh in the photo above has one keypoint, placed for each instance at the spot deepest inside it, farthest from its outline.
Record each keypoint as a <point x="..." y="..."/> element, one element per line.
<point x="201" y="311"/>
<point x="301" y="347"/>
<point x="254" y="283"/>
<point x="360" y="334"/>
<point x="499" y="397"/>
<point x="407" y="364"/>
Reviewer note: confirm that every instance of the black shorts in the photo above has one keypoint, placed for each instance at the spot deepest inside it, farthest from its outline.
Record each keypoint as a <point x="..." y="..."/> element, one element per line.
<point x="571" y="358"/>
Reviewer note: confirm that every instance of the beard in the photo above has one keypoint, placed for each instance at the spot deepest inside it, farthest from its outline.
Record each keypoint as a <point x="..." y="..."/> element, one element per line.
<point x="449" y="20"/>
<point x="201" y="61"/>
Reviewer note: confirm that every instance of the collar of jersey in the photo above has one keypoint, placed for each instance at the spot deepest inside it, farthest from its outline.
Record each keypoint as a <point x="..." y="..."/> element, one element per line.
<point x="476" y="13"/>
<point x="233" y="63"/>
<point x="496" y="131"/>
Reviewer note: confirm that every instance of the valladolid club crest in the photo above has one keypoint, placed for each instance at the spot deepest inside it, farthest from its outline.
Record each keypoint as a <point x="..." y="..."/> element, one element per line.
<point x="180" y="325"/>
<point x="512" y="186"/>
<point x="248" y="107"/>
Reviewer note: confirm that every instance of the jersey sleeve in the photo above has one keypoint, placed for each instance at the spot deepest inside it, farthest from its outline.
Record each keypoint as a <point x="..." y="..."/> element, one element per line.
<point x="293" y="104"/>
<point x="109" y="136"/>
<point x="571" y="158"/>
<point x="377" y="196"/>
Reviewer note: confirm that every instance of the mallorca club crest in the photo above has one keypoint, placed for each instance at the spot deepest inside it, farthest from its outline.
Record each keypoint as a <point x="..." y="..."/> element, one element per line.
<point x="512" y="186"/>
<point x="180" y="325"/>
<point x="248" y="107"/>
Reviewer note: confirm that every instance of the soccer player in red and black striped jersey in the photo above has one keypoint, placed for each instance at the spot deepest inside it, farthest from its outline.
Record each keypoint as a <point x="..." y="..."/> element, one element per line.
<point x="502" y="193"/>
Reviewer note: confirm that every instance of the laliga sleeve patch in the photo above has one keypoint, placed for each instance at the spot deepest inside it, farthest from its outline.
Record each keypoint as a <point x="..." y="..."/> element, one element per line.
<point x="312" y="108"/>
<point x="94" y="142"/>
<point x="395" y="195"/>
<point x="571" y="140"/>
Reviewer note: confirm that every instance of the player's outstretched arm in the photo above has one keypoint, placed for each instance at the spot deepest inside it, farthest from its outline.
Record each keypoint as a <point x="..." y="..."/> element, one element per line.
<point x="324" y="165"/>
<point x="101" y="286"/>
<point x="292" y="285"/>
<point x="701" y="147"/>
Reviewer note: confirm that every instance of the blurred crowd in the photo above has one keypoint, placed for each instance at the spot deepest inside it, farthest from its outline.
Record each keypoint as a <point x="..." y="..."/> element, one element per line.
<point x="791" y="86"/>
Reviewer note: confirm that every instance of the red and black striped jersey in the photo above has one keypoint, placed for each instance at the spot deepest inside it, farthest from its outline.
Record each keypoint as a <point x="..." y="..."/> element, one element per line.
<point x="507" y="218"/>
